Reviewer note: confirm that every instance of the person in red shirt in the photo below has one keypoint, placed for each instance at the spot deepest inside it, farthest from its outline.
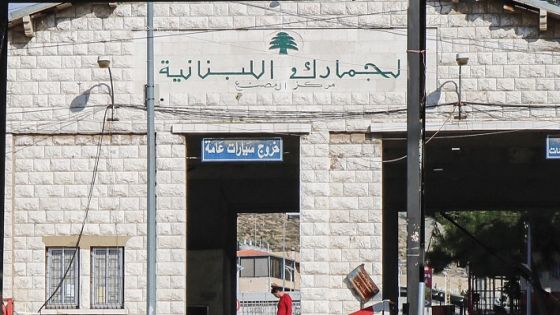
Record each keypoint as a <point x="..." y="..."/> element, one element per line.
<point x="285" y="302"/>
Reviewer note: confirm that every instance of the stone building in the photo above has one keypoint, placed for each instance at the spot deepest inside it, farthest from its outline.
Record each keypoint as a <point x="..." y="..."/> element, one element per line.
<point x="325" y="79"/>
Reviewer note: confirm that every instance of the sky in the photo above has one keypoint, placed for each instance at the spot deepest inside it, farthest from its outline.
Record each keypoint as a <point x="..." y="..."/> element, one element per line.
<point x="15" y="6"/>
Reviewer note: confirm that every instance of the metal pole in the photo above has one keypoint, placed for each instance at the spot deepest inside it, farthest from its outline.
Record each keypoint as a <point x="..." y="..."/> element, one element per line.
<point x="398" y="302"/>
<point x="416" y="46"/>
<point x="529" y="262"/>
<point x="151" y="281"/>
<point x="112" y="96"/>
<point x="460" y="100"/>
<point x="284" y="254"/>
<point x="3" y="105"/>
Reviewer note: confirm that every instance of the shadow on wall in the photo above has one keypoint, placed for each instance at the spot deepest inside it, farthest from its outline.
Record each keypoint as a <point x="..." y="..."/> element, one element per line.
<point x="80" y="102"/>
<point x="434" y="97"/>
<point x="521" y="22"/>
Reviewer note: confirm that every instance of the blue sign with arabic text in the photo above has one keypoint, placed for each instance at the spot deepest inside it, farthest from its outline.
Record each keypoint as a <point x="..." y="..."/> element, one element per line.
<point x="553" y="147"/>
<point x="241" y="150"/>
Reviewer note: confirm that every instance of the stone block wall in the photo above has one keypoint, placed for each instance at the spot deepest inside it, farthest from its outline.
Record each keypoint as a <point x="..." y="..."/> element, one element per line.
<point x="57" y="95"/>
<point x="511" y="62"/>
<point x="341" y="217"/>
<point x="51" y="186"/>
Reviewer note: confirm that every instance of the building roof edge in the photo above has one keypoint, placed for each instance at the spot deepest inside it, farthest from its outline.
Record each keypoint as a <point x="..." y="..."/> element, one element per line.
<point x="16" y="15"/>
<point x="541" y="4"/>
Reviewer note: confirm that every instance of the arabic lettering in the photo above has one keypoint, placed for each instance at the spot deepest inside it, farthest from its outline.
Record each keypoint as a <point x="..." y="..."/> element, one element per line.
<point x="227" y="74"/>
<point x="373" y="70"/>
<point x="309" y="84"/>
<point x="307" y="68"/>
<point x="327" y="74"/>
<point x="242" y="149"/>
<point x="267" y="150"/>
<point x="257" y="70"/>
<point x="249" y="85"/>
<point x="176" y="77"/>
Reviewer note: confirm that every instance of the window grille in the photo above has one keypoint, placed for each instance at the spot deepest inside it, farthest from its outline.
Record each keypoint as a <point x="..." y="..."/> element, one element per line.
<point x="107" y="277"/>
<point x="58" y="260"/>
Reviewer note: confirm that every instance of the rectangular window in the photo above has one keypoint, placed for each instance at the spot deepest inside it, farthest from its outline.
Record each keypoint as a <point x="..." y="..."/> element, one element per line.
<point x="261" y="267"/>
<point x="248" y="265"/>
<point x="276" y="267"/>
<point x="62" y="263"/>
<point x="107" y="277"/>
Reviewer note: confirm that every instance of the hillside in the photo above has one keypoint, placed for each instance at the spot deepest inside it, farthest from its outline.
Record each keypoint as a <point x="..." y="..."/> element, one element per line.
<point x="265" y="231"/>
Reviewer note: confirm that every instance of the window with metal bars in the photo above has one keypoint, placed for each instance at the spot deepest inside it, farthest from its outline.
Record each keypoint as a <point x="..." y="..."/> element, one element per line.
<point x="62" y="294"/>
<point x="107" y="277"/>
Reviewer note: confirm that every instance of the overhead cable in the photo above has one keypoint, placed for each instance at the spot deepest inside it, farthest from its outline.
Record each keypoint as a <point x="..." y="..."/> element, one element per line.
<point x="87" y="208"/>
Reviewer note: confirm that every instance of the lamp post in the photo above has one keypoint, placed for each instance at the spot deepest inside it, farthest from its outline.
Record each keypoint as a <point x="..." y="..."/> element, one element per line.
<point x="103" y="63"/>
<point x="461" y="61"/>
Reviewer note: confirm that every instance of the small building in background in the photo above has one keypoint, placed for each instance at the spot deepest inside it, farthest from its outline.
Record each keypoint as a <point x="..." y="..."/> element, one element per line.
<point x="261" y="268"/>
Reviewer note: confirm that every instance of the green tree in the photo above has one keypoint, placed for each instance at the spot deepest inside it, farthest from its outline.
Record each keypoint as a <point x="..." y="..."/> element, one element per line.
<point x="505" y="234"/>
<point x="283" y="41"/>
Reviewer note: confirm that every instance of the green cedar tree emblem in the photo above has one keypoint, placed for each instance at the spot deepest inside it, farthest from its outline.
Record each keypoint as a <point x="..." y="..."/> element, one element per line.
<point x="283" y="41"/>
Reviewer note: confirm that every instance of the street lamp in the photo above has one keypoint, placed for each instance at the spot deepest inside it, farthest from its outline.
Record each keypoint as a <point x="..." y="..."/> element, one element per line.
<point x="103" y="63"/>
<point x="461" y="61"/>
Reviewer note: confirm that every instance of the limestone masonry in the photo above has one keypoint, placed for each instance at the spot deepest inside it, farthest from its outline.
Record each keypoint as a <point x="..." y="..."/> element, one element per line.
<point x="57" y="99"/>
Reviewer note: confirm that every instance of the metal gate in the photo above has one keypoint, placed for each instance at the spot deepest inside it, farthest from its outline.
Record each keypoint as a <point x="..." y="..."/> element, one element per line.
<point x="265" y="304"/>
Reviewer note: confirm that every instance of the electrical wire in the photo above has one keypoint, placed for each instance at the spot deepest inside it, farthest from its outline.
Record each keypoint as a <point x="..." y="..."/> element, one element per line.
<point x="505" y="105"/>
<point x="195" y="32"/>
<point x="256" y="115"/>
<point x="427" y="141"/>
<point x="487" y="248"/>
<point x="207" y="114"/>
<point x="405" y="156"/>
<point x="509" y="262"/>
<point x="366" y="26"/>
<point x="338" y="19"/>
<point x="289" y="13"/>
<point x="48" y="109"/>
<point x="89" y="198"/>
<point x="305" y="115"/>
<point x="395" y="160"/>
<point x="329" y="19"/>
<point x="475" y="135"/>
<point x="265" y="115"/>
<point x="441" y="38"/>
<point x="481" y="134"/>
<point x="79" y="118"/>
<point x="207" y="31"/>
